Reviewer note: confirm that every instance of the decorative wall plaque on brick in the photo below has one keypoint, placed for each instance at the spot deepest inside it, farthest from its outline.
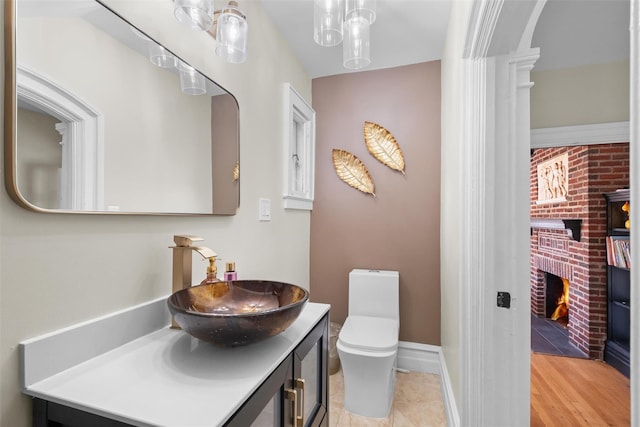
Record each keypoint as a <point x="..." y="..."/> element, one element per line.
<point x="553" y="180"/>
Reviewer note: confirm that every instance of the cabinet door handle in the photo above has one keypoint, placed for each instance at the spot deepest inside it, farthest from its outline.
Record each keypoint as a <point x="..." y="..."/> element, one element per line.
<point x="299" y="383"/>
<point x="292" y="394"/>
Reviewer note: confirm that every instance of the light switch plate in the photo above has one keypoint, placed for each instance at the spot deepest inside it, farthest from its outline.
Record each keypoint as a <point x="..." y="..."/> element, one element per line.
<point x="264" y="209"/>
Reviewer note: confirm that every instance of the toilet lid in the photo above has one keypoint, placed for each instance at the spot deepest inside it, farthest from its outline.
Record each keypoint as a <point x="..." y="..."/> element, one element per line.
<point x="370" y="333"/>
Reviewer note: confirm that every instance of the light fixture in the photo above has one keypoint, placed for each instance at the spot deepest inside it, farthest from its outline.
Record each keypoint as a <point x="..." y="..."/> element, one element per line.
<point x="196" y="14"/>
<point x="191" y="81"/>
<point x="160" y="56"/>
<point x="228" y="25"/>
<point x="232" y="34"/>
<point x="356" y="45"/>
<point x="328" y="16"/>
<point x="346" y="21"/>
<point x="364" y="8"/>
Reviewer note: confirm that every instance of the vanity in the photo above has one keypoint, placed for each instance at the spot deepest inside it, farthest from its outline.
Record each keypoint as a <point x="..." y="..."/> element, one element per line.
<point x="131" y="369"/>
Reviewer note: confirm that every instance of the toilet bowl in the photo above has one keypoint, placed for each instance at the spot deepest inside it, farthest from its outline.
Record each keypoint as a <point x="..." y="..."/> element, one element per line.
<point x="368" y="342"/>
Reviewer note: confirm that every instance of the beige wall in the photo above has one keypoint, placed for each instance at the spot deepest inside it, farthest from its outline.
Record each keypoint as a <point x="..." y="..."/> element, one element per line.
<point x="57" y="270"/>
<point x="398" y="229"/>
<point x="584" y="95"/>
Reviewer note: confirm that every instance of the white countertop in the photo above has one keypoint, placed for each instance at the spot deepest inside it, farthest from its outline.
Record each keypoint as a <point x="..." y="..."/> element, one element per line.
<point x="167" y="378"/>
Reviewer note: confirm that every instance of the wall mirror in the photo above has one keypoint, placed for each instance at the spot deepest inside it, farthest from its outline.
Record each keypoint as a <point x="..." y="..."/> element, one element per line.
<point x="99" y="118"/>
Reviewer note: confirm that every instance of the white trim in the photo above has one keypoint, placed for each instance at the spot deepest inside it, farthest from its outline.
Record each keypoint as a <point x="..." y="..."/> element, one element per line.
<point x="299" y="150"/>
<point x="419" y="357"/>
<point x="482" y="25"/>
<point x="494" y="184"/>
<point x="430" y="359"/>
<point x="448" y="396"/>
<point x="634" y="116"/>
<point x="83" y="148"/>
<point x="569" y="136"/>
<point x="473" y="254"/>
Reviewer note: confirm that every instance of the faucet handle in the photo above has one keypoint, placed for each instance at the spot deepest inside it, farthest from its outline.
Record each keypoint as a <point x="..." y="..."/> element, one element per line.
<point x="186" y="240"/>
<point x="205" y="252"/>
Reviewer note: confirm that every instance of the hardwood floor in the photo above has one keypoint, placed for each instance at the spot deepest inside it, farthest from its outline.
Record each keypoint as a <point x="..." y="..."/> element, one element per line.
<point x="567" y="391"/>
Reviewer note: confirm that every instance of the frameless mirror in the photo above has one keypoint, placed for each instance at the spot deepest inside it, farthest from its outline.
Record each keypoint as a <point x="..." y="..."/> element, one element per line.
<point x="99" y="118"/>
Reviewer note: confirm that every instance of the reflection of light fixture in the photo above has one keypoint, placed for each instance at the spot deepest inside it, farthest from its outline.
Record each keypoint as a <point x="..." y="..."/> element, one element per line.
<point x="138" y="33"/>
<point x="191" y="81"/>
<point x="228" y="26"/>
<point x="160" y="56"/>
<point x="346" y="21"/>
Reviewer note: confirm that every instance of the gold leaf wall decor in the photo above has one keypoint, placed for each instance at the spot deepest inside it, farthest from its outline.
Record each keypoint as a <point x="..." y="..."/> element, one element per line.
<point x="352" y="171"/>
<point x="383" y="146"/>
<point x="236" y="172"/>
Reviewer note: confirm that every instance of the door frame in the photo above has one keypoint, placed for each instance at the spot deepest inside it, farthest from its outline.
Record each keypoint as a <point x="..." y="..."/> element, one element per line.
<point x="495" y="356"/>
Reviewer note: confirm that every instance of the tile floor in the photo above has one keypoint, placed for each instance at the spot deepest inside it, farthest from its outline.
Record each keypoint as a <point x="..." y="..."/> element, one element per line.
<point x="417" y="402"/>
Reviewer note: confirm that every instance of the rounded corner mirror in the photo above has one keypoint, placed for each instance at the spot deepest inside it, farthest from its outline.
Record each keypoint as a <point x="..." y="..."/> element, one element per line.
<point x="102" y="119"/>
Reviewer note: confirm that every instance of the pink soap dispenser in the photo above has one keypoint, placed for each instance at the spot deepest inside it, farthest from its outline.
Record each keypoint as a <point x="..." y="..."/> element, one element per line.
<point x="230" y="272"/>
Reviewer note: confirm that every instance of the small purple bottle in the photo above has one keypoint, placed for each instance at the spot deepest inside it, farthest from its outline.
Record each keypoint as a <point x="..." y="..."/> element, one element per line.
<point x="230" y="272"/>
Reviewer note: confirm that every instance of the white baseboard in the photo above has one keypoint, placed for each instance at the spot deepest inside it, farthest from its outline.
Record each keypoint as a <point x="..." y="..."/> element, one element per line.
<point x="419" y="357"/>
<point x="429" y="359"/>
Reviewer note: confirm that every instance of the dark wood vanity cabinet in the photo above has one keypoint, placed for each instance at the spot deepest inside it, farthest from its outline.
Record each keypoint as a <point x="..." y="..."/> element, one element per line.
<point x="295" y="394"/>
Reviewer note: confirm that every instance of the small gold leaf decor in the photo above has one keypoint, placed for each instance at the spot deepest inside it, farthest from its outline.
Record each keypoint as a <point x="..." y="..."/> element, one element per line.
<point x="383" y="146"/>
<point x="352" y="171"/>
<point x="236" y="172"/>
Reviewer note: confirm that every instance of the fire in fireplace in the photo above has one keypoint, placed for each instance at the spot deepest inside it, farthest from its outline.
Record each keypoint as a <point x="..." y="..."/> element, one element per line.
<point x="557" y="298"/>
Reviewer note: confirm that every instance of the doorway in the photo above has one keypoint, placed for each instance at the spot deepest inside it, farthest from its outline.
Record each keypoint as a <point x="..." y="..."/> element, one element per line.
<point x="496" y="65"/>
<point x="587" y="68"/>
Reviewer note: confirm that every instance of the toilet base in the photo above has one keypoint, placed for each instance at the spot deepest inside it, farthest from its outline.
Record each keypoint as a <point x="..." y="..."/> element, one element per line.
<point x="369" y="383"/>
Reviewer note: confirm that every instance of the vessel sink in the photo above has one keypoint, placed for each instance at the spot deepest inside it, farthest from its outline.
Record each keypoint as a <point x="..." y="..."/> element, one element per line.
<point x="237" y="312"/>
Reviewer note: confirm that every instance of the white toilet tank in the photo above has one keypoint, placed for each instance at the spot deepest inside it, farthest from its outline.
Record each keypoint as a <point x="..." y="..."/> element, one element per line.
<point x="374" y="293"/>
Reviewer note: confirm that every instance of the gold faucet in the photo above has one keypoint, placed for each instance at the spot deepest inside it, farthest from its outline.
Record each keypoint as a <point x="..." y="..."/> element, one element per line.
<point x="182" y="259"/>
<point x="182" y="262"/>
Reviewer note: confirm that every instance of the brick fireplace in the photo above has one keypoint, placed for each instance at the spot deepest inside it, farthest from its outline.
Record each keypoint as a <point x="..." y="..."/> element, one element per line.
<point x="577" y="255"/>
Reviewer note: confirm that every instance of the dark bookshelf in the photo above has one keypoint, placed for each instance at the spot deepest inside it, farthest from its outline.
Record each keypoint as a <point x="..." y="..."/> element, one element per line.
<point x="616" y="351"/>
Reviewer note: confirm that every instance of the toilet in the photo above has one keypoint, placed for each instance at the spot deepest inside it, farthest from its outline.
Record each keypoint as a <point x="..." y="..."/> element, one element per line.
<point x="368" y="342"/>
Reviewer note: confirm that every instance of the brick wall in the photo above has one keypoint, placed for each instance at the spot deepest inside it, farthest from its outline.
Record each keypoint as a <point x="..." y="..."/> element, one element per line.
<point x="593" y="170"/>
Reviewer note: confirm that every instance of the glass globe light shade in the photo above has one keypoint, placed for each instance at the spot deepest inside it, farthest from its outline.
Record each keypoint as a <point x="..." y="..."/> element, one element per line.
<point x="327" y="21"/>
<point x="356" y="45"/>
<point x="364" y="8"/>
<point x="232" y="34"/>
<point x="191" y="81"/>
<point x="196" y="14"/>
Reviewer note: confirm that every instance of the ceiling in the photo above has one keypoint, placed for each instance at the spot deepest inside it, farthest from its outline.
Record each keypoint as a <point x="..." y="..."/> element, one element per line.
<point x="569" y="33"/>
<point x="404" y="32"/>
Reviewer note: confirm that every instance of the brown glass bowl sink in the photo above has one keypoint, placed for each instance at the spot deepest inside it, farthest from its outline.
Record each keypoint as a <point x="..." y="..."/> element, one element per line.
<point x="237" y="312"/>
